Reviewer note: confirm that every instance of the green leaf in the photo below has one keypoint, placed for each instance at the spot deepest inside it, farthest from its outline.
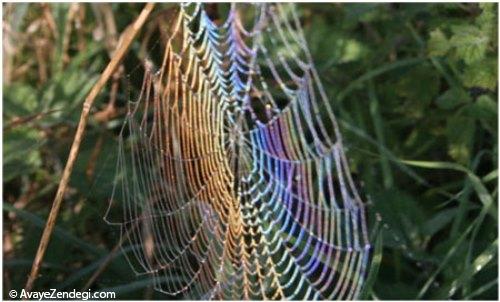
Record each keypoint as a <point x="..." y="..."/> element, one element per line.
<point x="482" y="74"/>
<point x="483" y="109"/>
<point x="420" y="85"/>
<point x="460" y="135"/>
<point x="438" y="221"/>
<point x="352" y="50"/>
<point x="452" y="98"/>
<point x="438" y="44"/>
<point x="19" y="100"/>
<point x="470" y="43"/>
<point x="21" y="155"/>
<point x="487" y="21"/>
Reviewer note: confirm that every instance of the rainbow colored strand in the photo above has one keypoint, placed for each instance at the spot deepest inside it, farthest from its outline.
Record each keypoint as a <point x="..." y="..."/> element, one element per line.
<point x="232" y="181"/>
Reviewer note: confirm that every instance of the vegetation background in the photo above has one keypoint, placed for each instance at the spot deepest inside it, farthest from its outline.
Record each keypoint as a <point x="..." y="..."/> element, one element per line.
<point x="414" y="86"/>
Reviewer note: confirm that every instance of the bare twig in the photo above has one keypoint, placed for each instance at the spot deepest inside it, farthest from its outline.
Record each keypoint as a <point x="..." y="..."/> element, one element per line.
<point x="109" y="111"/>
<point x="111" y="31"/>
<point x="89" y="171"/>
<point x="50" y="19"/>
<point x="161" y="21"/>
<point x="80" y="31"/>
<point x="112" y="254"/>
<point x="40" y="57"/>
<point x="103" y="265"/>
<point x="127" y="38"/>
<point x="18" y="121"/>
<point x="73" y="10"/>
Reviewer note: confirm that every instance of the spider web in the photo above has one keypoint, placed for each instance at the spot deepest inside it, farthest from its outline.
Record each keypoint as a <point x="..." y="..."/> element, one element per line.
<point x="231" y="181"/>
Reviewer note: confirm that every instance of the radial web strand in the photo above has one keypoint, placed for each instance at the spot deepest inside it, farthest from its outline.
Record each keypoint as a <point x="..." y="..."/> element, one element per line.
<point x="232" y="182"/>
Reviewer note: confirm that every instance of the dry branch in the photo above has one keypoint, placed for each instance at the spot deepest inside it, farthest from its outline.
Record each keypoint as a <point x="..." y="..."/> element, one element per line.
<point x="127" y="38"/>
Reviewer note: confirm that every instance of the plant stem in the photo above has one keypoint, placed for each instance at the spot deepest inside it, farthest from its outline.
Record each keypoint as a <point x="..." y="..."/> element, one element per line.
<point x="379" y="132"/>
<point x="126" y="40"/>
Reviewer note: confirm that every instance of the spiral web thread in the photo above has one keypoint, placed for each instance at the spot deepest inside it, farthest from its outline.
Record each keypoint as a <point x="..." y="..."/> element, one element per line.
<point x="232" y="181"/>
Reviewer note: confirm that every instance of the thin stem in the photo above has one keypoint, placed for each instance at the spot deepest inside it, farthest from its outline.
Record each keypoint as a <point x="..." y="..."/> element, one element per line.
<point x="103" y="265"/>
<point x="127" y="38"/>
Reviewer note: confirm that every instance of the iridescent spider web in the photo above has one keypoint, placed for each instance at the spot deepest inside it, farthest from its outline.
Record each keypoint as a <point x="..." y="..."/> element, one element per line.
<point x="232" y="181"/>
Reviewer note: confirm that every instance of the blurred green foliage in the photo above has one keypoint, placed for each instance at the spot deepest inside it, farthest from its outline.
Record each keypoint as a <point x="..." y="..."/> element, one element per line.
<point x="415" y="88"/>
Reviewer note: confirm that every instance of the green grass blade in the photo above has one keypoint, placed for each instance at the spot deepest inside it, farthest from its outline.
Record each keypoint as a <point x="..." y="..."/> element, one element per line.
<point x="362" y="134"/>
<point x="14" y="263"/>
<point x="481" y="289"/>
<point x="379" y="132"/>
<point x="443" y="263"/>
<point x="88" y="269"/>
<point x="374" y="267"/>
<point x="477" y="265"/>
<point x="58" y="231"/>
<point x="478" y="185"/>
<point x="375" y="73"/>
